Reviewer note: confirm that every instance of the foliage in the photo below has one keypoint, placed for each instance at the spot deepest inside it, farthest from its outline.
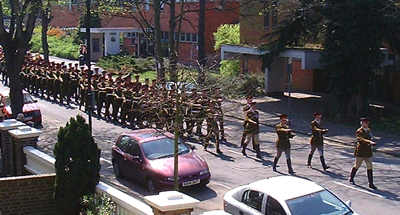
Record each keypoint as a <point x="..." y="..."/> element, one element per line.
<point x="77" y="165"/>
<point x="126" y="63"/>
<point x="227" y="34"/>
<point x="229" y="67"/>
<point x="61" y="44"/>
<point x="98" y="205"/>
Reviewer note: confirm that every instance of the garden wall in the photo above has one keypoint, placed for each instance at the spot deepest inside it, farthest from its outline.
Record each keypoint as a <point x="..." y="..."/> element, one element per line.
<point x="31" y="194"/>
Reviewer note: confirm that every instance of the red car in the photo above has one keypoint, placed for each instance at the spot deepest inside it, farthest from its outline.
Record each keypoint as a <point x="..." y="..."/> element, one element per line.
<point x="31" y="108"/>
<point x="146" y="156"/>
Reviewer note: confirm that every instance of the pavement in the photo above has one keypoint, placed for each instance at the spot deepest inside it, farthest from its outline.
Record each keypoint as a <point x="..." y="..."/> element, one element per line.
<point x="303" y="105"/>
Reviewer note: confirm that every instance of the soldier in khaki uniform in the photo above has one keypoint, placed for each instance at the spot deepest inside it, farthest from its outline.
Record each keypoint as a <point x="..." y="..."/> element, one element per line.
<point x="317" y="140"/>
<point x="283" y="142"/>
<point x="252" y="129"/>
<point x="212" y="128"/>
<point x="363" y="152"/>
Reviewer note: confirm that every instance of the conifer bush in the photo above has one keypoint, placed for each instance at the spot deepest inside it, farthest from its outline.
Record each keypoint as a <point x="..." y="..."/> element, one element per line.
<point x="77" y="165"/>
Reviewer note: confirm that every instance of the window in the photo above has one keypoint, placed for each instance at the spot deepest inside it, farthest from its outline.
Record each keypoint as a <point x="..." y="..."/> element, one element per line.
<point x="188" y="37"/>
<point x="133" y="148"/>
<point x="182" y="37"/>
<point x="194" y="37"/>
<point x="273" y="207"/>
<point x="253" y="199"/>
<point x="266" y="20"/>
<point x="123" y="143"/>
<point x="176" y="36"/>
<point x="96" y="44"/>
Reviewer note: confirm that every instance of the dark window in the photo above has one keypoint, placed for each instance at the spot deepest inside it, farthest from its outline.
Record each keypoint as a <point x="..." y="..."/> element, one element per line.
<point x="176" y="36"/>
<point x="182" y="37"/>
<point x="273" y="207"/>
<point x="266" y="20"/>
<point x="96" y="44"/>
<point x="133" y="148"/>
<point x="188" y="35"/>
<point x="253" y="199"/>
<point x="194" y="37"/>
<point x="124" y="143"/>
<point x="166" y="35"/>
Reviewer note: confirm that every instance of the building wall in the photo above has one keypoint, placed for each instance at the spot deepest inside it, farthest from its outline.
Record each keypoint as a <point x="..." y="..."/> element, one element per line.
<point x="215" y="16"/>
<point x="301" y="79"/>
<point x="27" y="195"/>
<point x="253" y="30"/>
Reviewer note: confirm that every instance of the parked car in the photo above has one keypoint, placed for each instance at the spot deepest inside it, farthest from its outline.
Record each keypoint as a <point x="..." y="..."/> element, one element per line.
<point x="284" y="195"/>
<point x="147" y="156"/>
<point x="30" y="109"/>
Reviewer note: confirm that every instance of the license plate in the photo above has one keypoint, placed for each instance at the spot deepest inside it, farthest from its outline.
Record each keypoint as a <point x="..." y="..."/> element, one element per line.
<point x="190" y="183"/>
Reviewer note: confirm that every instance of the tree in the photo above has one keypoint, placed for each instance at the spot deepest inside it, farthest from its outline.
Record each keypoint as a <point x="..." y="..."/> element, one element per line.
<point x="77" y="165"/>
<point x="45" y="18"/>
<point x="228" y="34"/>
<point x="201" y="41"/>
<point x="352" y="33"/>
<point x="15" y="38"/>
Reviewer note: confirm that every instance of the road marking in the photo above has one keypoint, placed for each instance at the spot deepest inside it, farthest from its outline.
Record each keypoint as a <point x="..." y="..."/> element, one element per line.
<point x="360" y="190"/>
<point x="222" y="185"/>
<point x="104" y="160"/>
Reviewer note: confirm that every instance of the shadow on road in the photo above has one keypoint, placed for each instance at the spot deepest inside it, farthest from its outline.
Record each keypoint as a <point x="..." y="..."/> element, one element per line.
<point x="201" y="194"/>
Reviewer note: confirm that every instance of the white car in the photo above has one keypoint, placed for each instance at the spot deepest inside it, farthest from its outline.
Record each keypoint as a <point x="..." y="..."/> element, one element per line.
<point x="284" y="195"/>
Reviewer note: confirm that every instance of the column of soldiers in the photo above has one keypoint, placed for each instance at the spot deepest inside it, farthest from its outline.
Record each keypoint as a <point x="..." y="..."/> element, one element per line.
<point x="121" y="100"/>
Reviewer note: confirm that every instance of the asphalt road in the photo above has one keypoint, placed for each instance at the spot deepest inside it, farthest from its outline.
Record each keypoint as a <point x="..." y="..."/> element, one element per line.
<point x="232" y="169"/>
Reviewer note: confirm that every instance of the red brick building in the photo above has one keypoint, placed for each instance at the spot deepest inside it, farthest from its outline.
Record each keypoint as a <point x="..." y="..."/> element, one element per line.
<point x="117" y="30"/>
<point x="258" y="27"/>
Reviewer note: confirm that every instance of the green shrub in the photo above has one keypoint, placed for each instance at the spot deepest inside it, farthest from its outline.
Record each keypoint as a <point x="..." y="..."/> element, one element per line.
<point x="59" y="46"/>
<point x="229" y="67"/>
<point x="126" y="63"/>
<point x="98" y="205"/>
<point x="77" y="165"/>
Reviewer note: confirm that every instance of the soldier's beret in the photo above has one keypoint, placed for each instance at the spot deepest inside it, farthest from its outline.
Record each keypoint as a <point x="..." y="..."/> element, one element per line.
<point x="364" y="119"/>
<point x="317" y="114"/>
<point x="283" y="116"/>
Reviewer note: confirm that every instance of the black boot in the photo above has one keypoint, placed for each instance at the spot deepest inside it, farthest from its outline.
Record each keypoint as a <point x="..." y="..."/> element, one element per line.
<point x="274" y="165"/>
<point x="352" y="174"/>
<point x="289" y="165"/>
<point x="244" y="146"/>
<point x="323" y="163"/>
<point x="258" y="151"/>
<point x="371" y="179"/>
<point x="309" y="160"/>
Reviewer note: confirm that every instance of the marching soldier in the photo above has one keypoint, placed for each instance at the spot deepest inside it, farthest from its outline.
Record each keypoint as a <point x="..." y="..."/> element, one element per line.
<point x="212" y="128"/>
<point x="218" y="99"/>
<point x="252" y="129"/>
<point x="363" y="152"/>
<point x="317" y="140"/>
<point x="283" y="142"/>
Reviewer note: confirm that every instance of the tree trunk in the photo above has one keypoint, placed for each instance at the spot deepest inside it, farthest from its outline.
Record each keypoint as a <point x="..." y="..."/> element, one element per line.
<point x="172" y="45"/>
<point x="201" y="45"/>
<point x="157" y="42"/>
<point x="45" y="27"/>
<point x="14" y="61"/>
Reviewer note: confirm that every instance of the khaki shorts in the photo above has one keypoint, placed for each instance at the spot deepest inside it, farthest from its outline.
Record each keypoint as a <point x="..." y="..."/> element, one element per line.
<point x="359" y="160"/>
<point x="254" y="137"/>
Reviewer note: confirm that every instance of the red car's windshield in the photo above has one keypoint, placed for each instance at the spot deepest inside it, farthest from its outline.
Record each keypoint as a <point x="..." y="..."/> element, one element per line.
<point x="27" y="99"/>
<point x="162" y="148"/>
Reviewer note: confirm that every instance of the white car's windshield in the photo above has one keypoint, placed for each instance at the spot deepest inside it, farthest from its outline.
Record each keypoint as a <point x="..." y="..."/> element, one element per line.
<point x="320" y="203"/>
<point x="162" y="148"/>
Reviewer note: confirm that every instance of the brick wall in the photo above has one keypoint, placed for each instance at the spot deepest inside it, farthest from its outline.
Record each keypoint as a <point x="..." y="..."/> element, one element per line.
<point x="27" y="195"/>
